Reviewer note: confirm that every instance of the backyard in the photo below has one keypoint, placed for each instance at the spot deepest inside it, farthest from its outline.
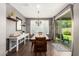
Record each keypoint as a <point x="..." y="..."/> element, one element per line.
<point x="65" y="34"/>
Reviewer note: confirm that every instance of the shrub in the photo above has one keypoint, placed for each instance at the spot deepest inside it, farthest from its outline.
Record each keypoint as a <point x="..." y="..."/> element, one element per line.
<point x="67" y="32"/>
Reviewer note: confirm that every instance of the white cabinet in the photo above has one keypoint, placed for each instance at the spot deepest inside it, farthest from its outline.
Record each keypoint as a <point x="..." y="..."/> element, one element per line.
<point x="15" y="41"/>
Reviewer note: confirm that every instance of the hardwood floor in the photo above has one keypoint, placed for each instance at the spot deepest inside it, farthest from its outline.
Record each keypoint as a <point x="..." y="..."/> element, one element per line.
<point x="26" y="50"/>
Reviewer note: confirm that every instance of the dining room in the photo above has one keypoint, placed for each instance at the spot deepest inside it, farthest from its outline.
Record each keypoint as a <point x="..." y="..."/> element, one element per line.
<point x="34" y="29"/>
<point x="33" y="33"/>
<point x="41" y="29"/>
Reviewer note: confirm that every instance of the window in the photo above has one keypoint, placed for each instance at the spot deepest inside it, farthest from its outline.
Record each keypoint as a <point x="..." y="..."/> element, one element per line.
<point x="18" y="24"/>
<point x="43" y="26"/>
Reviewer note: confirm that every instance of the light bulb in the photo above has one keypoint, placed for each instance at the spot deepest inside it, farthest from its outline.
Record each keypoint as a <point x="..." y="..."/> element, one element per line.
<point x="37" y="6"/>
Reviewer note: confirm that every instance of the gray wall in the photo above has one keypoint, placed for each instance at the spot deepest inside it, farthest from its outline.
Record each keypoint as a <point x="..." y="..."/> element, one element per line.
<point x="11" y="25"/>
<point x="27" y="25"/>
<point x="76" y="30"/>
<point x="2" y="29"/>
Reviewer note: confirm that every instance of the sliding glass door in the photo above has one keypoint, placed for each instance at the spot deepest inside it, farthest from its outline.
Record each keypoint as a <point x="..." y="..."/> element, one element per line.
<point x="64" y="30"/>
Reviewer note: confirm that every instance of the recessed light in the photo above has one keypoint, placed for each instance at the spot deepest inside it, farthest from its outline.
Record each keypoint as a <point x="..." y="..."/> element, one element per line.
<point x="37" y="6"/>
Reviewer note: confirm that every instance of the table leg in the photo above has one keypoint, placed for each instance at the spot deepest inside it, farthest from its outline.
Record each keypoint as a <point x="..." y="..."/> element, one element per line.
<point x="25" y="40"/>
<point x="28" y="37"/>
<point x="32" y="44"/>
<point x="17" y="46"/>
<point x="9" y="45"/>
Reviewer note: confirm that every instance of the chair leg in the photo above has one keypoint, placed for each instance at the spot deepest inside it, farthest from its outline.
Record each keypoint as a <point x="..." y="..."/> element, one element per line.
<point x="45" y="53"/>
<point x="35" y="53"/>
<point x="40" y="53"/>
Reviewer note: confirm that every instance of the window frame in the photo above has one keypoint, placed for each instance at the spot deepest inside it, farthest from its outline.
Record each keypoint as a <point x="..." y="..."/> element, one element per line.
<point x="40" y="20"/>
<point x="17" y="18"/>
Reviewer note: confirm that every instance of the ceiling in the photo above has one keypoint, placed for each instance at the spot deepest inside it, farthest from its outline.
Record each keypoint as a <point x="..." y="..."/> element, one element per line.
<point x="46" y="10"/>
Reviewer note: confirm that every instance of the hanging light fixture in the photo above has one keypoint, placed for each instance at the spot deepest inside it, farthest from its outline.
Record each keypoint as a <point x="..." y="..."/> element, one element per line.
<point x="38" y="22"/>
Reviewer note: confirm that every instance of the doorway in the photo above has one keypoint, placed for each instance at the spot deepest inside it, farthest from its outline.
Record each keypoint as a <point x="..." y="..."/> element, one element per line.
<point x="63" y="32"/>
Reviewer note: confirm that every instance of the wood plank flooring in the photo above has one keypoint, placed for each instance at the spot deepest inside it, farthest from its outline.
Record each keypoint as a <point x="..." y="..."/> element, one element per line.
<point x="26" y="50"/>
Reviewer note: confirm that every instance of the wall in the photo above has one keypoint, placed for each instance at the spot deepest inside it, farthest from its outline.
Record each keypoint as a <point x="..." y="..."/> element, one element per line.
<point x="27" y="25"/>
<point x="76" y="30"/>
<point x="2" y="29"/>
<point x="11" y="25"/>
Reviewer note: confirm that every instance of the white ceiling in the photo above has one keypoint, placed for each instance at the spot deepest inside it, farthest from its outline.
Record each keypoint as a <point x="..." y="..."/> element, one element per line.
<point x="46" y="10"/>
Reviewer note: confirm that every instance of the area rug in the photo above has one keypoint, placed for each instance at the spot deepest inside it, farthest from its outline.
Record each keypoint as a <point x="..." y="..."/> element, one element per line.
<point x="60" y="47"/>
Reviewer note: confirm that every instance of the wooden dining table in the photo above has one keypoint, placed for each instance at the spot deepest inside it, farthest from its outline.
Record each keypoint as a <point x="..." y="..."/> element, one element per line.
<point x="37" y="35"/>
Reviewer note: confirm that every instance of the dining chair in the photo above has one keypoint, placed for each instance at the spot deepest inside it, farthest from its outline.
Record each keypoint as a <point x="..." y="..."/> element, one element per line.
<point x="40" y="45"/>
